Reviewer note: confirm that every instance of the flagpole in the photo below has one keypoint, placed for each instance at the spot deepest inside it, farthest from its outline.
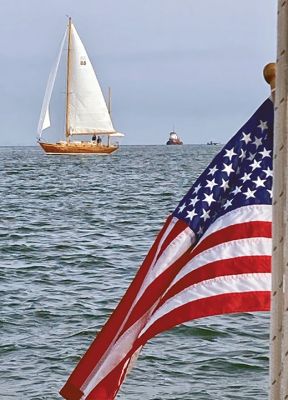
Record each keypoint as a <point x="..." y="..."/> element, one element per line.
<point x="282" y="104"/>
<point x="278" y="322"/>
<point x="276" y="297"/>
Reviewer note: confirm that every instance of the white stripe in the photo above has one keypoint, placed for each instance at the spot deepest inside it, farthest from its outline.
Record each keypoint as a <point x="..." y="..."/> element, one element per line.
<point x="165" y="234"/>
<point x="213" y="287"/>
<point x="176" y="248"/>
<point x="116" y="355"/>
<point x="258" y="246"/>
<point x="257" y="212"/>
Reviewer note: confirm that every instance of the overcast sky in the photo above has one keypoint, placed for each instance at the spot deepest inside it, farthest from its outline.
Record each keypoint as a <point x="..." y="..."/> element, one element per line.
<point x="194" y="65"/>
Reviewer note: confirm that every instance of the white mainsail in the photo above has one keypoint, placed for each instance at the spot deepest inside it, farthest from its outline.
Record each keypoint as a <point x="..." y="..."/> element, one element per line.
<point x="87" y="112"/>
<point x="44" y="120"/>
<point x="86" y="109"/>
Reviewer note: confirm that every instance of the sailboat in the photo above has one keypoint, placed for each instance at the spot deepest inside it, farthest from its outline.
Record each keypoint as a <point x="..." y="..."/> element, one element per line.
<point x="86" y="109"/>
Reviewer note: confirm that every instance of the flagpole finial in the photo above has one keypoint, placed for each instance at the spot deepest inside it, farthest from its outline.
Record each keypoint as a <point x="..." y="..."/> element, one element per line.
<point x="269" y="73"/>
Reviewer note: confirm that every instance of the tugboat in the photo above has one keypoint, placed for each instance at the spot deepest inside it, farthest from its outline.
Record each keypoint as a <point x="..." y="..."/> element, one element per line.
<point x="174" y="139"/>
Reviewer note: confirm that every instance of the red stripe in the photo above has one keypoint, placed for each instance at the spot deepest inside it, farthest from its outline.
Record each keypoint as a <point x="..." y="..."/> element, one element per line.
<point x="72" y="388"/>
<point x="230" y="266"/>
<point x="215" y="305"/>
<point x="108" y="388"/>
<point x="234" y="232"/>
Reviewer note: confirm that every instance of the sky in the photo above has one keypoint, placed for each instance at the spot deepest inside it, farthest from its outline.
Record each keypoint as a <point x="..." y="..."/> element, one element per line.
<point x="195" y="66"/>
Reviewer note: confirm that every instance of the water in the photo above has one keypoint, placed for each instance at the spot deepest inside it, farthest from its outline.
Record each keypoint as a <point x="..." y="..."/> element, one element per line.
<point x="74" y="230"/>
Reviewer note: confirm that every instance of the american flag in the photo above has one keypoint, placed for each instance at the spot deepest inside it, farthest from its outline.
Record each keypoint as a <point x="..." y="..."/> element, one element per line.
<point x="212" y="256"/>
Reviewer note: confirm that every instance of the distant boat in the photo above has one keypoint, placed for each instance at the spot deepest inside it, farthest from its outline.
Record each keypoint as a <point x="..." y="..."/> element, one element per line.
<point x="86" y="109"/>
<point x="212" y="143"/>
<point x="174" y="139"/>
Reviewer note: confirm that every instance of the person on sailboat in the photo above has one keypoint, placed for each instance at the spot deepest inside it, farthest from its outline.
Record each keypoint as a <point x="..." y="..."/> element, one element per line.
<point x="99" y="140"/>
<point x="94" y="138"/>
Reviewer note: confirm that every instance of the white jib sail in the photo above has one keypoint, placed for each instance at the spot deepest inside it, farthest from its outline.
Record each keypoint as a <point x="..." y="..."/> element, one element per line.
<point x="87" y="110"/>
<point x="44" y="120"/>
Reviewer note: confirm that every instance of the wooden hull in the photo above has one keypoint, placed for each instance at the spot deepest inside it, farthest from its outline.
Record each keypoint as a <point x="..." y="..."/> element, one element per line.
<point x="77" y="148"/>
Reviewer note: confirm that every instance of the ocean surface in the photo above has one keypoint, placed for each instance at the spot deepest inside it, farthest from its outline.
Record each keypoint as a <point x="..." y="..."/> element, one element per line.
<point x="74" y="230"/>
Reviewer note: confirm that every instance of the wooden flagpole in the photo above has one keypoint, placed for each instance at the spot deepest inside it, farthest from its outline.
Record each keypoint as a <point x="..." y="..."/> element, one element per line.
<point x="277" y="255"/>
<point x="279" y="322"/>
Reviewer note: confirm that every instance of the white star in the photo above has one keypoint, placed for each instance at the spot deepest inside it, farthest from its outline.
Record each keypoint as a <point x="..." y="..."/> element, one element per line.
<point x="213" y="170"/>
<point x="262" y="125"/>
<point x="205" y="215"/>
<point x="227" y="204"/>
<point x="257" y="142"/>
<point x="237" y="190"/>
<point x="249" y="193"/>
<point x="182" y="208"/>
<point x="259" y="182"/>
<point x="265" y="153"/>
<point x="230" y="153"/>
<point x="251" y="156"/>
<point x="268" y="172"/>
<point x="270" y="192"/>
<point x="197" y="188"/>
<point x="193" y="201"/>
<point x="246" y="137"/>
<point x="209" y="198"/>
<point x="242" y="155"/>
<point x="211" y="184"/>
<point x="224" y="184"/>
<point x="201" y="230"/>
<point x="245" y="177"/>
<point x="228" y="169"/>
<point x="255" y="164"/>
<point x="191" y="214"/>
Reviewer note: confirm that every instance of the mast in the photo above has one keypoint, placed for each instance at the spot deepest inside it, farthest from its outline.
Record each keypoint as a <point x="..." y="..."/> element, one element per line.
<point x="67" y="134"/>
<point x="109" y="109"/>
<point x="109" y="101"/>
